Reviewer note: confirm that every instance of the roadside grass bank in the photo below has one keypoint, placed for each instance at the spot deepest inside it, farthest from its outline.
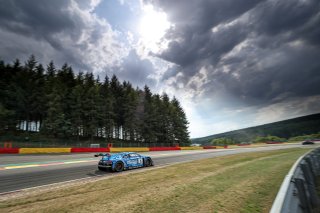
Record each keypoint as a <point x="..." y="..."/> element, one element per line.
<point x="236" y="183"/>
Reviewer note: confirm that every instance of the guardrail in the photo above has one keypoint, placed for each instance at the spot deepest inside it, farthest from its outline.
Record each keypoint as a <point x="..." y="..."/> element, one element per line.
<point x="298" y="192"/>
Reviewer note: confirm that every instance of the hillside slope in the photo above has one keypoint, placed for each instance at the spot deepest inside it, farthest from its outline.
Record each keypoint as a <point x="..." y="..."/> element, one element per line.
<point x="287" y="128"/>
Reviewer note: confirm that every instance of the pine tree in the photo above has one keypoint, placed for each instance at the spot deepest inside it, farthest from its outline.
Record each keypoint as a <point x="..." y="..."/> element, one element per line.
<point x="51" y="70"/>
<point x="76" y="111"/>
<point x="159" y="116"/>
<point x="99" y="104"/>
<point x="167" y="130"/>
<point x="38" y="95"/>
<point x="108" y="114"/>
<point x="130" y="98"/>
<point x="117" y="94"/>
<point x="180" y="123"/>
<point x="30" y="86"/>
<point x="90" y="115"/>
<point x="149" y="122"/>
<point x="56" y="123"/>
<point x="9" y="110"/>
<point x="66" y="81"/>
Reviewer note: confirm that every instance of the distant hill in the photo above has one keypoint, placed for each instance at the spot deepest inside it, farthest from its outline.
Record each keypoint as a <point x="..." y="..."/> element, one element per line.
<point x="285" y="129"/>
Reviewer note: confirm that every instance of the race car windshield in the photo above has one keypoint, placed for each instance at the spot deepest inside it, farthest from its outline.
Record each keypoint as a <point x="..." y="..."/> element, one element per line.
<point x="105" y="157"/>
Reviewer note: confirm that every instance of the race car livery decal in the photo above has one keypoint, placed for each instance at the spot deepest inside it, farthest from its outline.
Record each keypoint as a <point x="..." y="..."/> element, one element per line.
<point x="131" y="162"/>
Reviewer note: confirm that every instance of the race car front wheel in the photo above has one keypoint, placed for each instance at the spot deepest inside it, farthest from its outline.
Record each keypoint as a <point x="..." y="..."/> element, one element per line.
<point x="119" y="167"/>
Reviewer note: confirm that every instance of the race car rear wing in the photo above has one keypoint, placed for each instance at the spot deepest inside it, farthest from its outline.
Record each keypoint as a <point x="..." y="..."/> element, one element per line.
<point x="102" y="154"/>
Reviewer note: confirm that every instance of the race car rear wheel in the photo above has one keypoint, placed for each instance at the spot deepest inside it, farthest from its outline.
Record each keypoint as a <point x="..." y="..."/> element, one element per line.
<point x="148" y="162"/>
<point x="118" y="167"/>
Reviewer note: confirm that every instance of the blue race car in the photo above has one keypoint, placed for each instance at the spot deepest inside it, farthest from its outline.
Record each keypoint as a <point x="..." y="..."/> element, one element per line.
<point x="123" y="161"/>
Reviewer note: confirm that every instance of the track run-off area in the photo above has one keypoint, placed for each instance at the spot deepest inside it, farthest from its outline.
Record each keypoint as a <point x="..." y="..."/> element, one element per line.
<point x="19" y="173"/>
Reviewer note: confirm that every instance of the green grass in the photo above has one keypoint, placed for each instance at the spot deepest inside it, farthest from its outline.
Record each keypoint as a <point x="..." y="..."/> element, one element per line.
<point x="237" y="183"/>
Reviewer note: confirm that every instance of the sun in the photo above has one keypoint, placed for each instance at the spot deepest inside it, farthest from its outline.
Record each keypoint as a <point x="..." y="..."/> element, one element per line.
<point x="153" y="26"/>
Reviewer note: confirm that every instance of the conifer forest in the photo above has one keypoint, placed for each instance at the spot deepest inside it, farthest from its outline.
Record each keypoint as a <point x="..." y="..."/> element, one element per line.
<point x="58" y="103"/>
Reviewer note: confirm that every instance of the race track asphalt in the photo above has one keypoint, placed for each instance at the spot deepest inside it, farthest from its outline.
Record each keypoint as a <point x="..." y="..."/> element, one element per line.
<point x="18" y="172"/>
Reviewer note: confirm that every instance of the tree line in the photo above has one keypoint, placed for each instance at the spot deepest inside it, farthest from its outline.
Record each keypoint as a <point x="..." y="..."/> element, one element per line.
<point x="287" y="129"/>
<point x="58" y="103"/>
<point x="261" y="139"/>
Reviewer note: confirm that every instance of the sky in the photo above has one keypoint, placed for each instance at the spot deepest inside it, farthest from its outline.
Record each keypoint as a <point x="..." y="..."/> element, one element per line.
<point x="232" y="64"/>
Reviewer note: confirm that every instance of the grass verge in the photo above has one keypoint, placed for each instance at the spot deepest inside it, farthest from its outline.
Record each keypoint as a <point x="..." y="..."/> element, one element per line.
<point x="236" y="183"/>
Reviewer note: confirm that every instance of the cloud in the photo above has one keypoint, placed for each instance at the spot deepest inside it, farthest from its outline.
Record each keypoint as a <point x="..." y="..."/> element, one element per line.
<point x="244" y="53"/>
<point x="288" y="109"/>
<point x="62" y="30"/>
<point x="137" y="70"/>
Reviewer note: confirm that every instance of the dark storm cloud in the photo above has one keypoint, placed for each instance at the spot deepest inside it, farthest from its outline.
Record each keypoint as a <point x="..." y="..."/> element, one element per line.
<point x="207" y="46"/>
<point x="274" y="17"/>
<point x="287" y="70"/>
<point x="259" y="52"/>
<point x="135" y="69"/>
<point x="38" y="19"/>
<point x="59" y="30"/>
<point x="200" y="16"/>
<point x="36" y="14"/>
<point x="192" y="38"/>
